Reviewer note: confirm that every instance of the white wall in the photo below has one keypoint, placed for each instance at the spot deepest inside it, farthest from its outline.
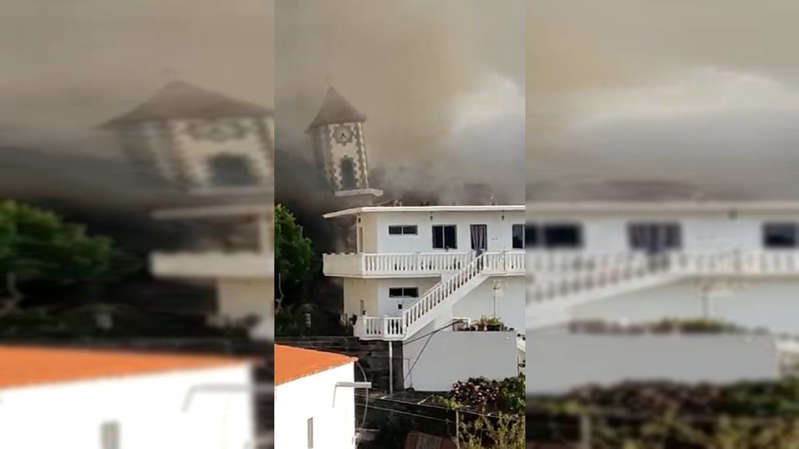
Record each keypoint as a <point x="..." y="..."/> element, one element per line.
<point x="238" y="298"/>
<point x="499" y="230"/>
<point x="510" y="305"/>
<point x="452" y="356"/>
<point x="479" y="302"/>
<point x="607" y="232"/>
<point x="388" y="305"/>
<point x="315" y="396"/>
<point x="772" y="304"/>
<point x="355" y="290"/>
<point x="148" y="408"/>
<point x="559" y="362"/>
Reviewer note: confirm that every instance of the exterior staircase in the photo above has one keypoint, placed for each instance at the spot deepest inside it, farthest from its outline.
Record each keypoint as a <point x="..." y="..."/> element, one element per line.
<point x="441" y="296"/>
<point x="550" y="296"/>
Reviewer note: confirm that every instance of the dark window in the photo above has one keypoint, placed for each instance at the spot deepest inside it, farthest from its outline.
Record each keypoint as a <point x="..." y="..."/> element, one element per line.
<point x="403" y="292"/>
<point x="562" y="236"/>
<point x="518" y="236"/>
<point x="654" y="237"/>
<point x="531" y="239"/>
<point x="230" y="170"/>
<point x="444" y="237"/>
<point x="347" y="173"/>
<point x="403" y="230"/>
<point x="780" y="235"/>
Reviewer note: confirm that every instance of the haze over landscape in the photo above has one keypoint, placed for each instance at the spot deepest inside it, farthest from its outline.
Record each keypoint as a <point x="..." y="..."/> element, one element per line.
<point x="650" y="100"/>
<point x="70" y="66"/>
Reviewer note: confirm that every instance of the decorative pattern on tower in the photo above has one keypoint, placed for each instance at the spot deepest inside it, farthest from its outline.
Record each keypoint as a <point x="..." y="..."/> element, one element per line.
<point x="337" y="133"/>
<point x="199" y="140"/>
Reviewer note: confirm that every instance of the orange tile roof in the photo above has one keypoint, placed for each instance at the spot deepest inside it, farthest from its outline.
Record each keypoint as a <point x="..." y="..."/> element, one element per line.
<point x="31" y="365"/>
<point x="292" y="363"/>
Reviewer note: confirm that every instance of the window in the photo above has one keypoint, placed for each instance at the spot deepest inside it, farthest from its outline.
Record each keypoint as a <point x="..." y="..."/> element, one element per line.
<point x="444" y="237"/>
<point x="347" y="173"/>
<point x="518" y="236"/>
<point x="562" y="235"/>
<point x="403" y="230"/>
<point x="309" y="427"/>
<point x="531" y="239"/>
<point x="109" y="435"/>
<point x="780" y="235"/>
<point x="231" y="170"/>
<point x="403" y="292"/>
<point x="654" y="237"/>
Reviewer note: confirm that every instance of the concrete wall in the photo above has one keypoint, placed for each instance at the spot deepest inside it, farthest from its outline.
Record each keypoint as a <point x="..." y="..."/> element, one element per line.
<point x="448" y="357"/>
<point x="478" y="303"/>
<point x="559" y="362"/>
<point x="390" y="306"/>
<point x="147" y="408"/>
<point x="510" y="304"/>
<point x="355" y="290"/>
<point x="607" y="232"/>
<point x="376" y="230"/>
<point x="771" y="304"/>
<point x="316" y="396"/>
<point x="368" y="224"/>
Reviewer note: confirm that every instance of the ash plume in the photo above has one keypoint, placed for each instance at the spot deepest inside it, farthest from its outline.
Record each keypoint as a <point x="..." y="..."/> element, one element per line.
<point x="441" y="85"/>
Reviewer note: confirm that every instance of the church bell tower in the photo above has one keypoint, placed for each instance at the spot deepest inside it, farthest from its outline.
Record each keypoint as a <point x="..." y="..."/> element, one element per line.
<point x="337" y="133"/>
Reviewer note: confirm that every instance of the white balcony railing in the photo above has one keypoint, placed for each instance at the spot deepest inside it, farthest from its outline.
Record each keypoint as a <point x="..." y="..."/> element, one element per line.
<point x="211" y="265"/>
<point x="570" y="275"/>
<point x="416" y="264"/>
<point x="379" y="328"/>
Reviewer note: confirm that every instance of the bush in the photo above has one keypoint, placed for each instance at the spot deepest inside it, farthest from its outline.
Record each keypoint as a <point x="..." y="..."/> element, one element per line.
<point x="484" y="395"/>
<point x="653" y="415"/>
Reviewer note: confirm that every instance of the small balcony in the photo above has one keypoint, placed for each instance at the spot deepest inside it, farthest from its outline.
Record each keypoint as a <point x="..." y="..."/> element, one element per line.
<point x="212" y="265"/>
<point x="418" y="264"/>
<point x="379" y="328"/>
<point x="213" y="242"/>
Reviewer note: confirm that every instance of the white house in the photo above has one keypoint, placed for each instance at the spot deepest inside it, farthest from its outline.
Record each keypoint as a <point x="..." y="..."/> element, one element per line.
<point x="94" y="399"/>
<point x="735" y="262"/>
<point x="243" y="274"/>
<point x="314" y="399"/>
<point x="430" y="271"/>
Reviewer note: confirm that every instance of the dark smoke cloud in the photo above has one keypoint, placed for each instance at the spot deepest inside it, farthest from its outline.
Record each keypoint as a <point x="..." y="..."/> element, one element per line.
<point x="441" y="84"/>
<point x="69" y="66"/>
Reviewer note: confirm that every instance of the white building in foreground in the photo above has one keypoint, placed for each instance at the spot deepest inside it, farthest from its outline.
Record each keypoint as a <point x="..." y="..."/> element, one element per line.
<point x="432" y="271"/>
<point x="314" y="399"/>
<point x="633" y="263"/>
<point x="93" y="399"/>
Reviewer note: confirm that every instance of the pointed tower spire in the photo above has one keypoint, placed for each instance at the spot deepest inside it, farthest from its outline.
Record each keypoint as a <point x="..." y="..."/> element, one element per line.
<point x="336" y="109"/>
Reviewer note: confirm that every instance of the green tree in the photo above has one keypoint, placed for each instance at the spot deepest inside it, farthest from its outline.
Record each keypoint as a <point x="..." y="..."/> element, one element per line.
<point x="293" y="254"/>
<point x="38" y="246"/>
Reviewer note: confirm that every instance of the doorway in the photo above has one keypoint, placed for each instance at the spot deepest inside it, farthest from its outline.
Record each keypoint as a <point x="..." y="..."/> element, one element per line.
<point x="479" y="236"/>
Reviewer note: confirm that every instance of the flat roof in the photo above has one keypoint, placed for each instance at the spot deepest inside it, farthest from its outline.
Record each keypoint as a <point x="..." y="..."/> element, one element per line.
<point x="663" y="206"/>
<point x="227" y="210"/>
<point x="22" y="366"/>
<point x="292" y="363"/>
<point x="377" y="209"/>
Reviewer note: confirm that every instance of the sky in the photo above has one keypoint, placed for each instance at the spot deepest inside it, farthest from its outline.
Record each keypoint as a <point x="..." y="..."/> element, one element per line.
<point x="645" y="99"/>
<point x="70" y="65"/>
<point x="441" y="82"/>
